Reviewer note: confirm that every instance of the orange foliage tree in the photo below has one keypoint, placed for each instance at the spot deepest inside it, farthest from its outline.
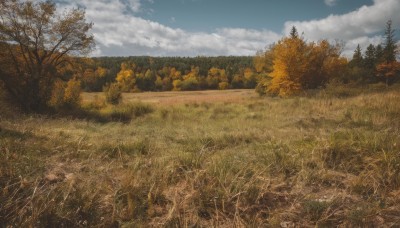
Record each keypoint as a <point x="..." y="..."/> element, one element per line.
<point x="298" y="65"/>
<point x="389" y="71"/>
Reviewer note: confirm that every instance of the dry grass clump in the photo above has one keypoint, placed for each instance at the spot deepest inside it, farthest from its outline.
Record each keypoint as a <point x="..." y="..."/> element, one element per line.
<point x="308" y="161"/>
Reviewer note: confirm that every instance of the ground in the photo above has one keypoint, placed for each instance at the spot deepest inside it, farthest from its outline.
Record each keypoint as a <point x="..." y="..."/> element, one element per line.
<point x="183" y="97"/>
<point x="213" y="158"/>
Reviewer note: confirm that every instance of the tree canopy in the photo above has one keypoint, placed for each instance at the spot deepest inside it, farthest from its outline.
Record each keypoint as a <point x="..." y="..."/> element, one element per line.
<point x="36" y="42"/>
<point x="298" y="65"/>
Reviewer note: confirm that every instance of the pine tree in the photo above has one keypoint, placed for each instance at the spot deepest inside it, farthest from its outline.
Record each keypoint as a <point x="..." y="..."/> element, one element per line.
<point x="370" y="58"/>
<point x="370" y="62"/>
<point x="379" y="54"/>
<point x="357" y="57"/>
<point x="389" y="51"/>
<point x="389" y="69"/>
<point x="293" y="33"/>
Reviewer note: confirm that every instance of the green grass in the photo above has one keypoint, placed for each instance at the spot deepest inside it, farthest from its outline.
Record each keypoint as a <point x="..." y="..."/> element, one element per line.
<point x="319" y="160"/>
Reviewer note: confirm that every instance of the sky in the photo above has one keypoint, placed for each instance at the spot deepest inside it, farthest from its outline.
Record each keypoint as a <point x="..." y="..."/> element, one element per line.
<point x="230" y="27"/>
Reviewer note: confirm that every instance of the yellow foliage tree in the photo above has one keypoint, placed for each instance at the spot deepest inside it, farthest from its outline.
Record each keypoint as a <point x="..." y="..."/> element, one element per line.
<point x="215" y="76"/>
<point x="290" y="66"/>
<point x="72" y="93"/>
<point x="298" y="65"/>
<point x="65" y="95"/>
<point x="126" y="77"/>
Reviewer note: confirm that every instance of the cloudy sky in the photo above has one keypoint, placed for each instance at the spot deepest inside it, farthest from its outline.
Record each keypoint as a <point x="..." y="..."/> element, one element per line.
<point x="229" y="27"/>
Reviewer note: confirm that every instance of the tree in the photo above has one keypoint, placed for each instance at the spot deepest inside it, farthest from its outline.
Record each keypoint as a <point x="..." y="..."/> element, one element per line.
<point x="36" y="43"/>
<point x="298" y="65"/>
<point x="390" y="48"/>
<point x="370" y="63"/>
<point x="357" y="57"/>
<point x="388" y="71"/>
<point x="389" y="68"/>
<point x="126" y="77"/>
<point x="356" y="70"/>
<point x="378" y="54"/>
<point x="370" y="58"/>
<point x="293" y="33"/>
<point x="289" y="66"/>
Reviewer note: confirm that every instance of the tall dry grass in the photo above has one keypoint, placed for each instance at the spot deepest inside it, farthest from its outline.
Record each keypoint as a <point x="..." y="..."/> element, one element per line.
<point x="318" y="160"/>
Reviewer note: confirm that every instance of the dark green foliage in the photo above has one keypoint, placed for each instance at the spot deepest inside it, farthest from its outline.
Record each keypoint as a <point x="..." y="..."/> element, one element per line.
<point x="389" y="52"/>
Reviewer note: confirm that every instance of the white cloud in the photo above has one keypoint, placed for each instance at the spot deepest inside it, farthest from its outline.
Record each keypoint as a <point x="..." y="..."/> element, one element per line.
<point x="134" y="5"/>
<point x="330" y="2"/>
<point x="118" y="31"/>
<point x="357" y="26"/>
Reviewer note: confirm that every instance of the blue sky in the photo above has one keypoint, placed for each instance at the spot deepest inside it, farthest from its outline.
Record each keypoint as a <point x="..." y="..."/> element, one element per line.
<point x="229" y="27"/>
<point x="207" y="15"/>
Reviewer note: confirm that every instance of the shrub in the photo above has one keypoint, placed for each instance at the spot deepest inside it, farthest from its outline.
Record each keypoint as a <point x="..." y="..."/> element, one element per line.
<point x="113" y="94"/>
<point x="65" y="95"/>
<point x="177" y="85"/>
<point x="124" y="113"/>
<point x="223" y="85"/>
<point x="72" y="93"/>
<point x="190" y="84"/>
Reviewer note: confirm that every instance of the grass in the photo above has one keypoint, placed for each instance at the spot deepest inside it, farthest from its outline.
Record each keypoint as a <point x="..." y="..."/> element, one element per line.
<point x="318" y="160"/>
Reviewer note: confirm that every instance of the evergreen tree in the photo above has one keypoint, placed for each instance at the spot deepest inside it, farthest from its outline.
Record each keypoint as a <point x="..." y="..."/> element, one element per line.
<point x="389" y="52"/>
<point x="370" y="58"/>
<point x="370" y="63"/>
<point x="389" y="68"/>
<point x="357" y="57"/>
<point x="378" y="54"/>
<point x="293" y="33"/>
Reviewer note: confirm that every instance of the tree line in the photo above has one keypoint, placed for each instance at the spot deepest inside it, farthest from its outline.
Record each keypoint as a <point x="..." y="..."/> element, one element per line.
<point x="293" y="65"/>
<point x="145" y="73"/>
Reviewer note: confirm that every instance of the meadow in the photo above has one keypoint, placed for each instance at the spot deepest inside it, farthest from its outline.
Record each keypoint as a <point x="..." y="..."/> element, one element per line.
<point x="207" y="159"/>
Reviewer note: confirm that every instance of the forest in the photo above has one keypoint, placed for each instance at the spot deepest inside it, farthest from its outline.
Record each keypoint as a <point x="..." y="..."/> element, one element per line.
<point x="42" y="67"/>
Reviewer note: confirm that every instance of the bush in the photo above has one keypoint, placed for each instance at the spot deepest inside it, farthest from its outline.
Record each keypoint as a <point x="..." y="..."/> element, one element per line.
<point x="190" y="84"/>
<point x="223" y="85"/>
<point x="177" y="85"/>
<point x="65" y="95"/>
<point x="124" y="113"/>
<point x="113" y="94"/>
<point x="72" y="93"/>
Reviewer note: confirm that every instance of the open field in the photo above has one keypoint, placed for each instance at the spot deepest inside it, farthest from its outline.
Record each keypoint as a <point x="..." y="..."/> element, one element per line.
<point x="224" y="159"/>
<point x="182" y="97"/>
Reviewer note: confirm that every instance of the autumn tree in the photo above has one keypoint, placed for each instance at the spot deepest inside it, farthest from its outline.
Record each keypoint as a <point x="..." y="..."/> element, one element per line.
<point x="298" y="65"/>
<point x="215" y="77"/>
<point x="36" y="41"/>
<point x="389" y="69"/>
<point x="126" y="78"/>
<point x="324" y="64"/>
<point x="259" y="61"/>
<point x="289" y="65"/>
<point x="190" y="80"/>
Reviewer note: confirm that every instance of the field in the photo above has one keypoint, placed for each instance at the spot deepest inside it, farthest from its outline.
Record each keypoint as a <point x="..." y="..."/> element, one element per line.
<point x="207" y="159"/>
<point x="182" y="97"/>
